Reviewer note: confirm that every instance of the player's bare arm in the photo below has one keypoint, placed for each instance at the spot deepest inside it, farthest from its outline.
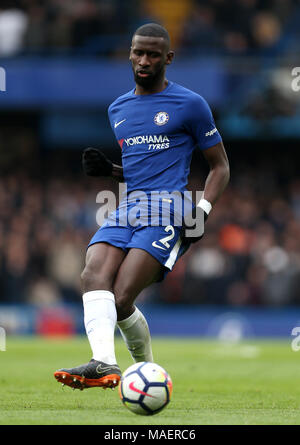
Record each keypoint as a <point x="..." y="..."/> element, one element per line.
<point x="215" y="184"/>
<point x="219" y="173"/>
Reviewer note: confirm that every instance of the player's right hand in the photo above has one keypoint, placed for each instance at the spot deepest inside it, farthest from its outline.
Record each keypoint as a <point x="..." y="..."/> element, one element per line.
<point x="194" y="232"/>
<point x="95" y="163"/>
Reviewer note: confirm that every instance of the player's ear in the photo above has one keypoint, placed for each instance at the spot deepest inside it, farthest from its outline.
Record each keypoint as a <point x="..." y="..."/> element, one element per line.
<point x="170" y="57"/>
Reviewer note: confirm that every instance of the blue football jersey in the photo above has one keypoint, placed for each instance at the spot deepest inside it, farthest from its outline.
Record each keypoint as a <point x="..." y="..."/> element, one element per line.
<point x="157" y="134"/>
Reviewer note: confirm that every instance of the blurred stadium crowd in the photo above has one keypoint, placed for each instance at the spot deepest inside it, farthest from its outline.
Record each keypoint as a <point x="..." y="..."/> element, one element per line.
<point x="251" y="250"/>
<point x="250" y="253"/>
<point x="105" y="26"/>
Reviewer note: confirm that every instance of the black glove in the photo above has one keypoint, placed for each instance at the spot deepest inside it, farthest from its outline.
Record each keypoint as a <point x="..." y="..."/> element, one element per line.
<point x="95" y="163"/>
<point x="200" y="216"/>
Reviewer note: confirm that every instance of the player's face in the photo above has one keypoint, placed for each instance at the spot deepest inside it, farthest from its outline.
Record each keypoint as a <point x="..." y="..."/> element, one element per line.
<point x="149" y="57"/>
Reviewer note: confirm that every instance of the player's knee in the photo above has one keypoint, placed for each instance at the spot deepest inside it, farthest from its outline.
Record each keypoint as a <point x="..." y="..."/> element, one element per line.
<point x="124" y="303"/>
<point x="94" y="280"/>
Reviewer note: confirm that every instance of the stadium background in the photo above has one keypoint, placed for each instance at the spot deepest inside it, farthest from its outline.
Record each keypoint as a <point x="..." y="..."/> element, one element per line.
<point x="64" y="63"/>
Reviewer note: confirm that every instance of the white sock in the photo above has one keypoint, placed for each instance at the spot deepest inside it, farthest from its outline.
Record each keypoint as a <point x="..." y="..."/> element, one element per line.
<point x="136" y="334"/>
<point x="100" y="319"/>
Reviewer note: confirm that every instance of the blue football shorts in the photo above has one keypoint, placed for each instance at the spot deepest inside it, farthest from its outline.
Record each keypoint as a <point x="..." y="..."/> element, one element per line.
<point x="163" y="242"/>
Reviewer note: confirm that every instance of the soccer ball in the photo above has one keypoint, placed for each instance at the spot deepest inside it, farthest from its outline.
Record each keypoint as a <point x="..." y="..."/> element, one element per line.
<point x="145" y="388"/>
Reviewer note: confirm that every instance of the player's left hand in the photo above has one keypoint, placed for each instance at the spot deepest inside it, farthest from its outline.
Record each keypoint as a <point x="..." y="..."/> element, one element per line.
<point x="193" y="225"/>
<point x="95" y="163"/>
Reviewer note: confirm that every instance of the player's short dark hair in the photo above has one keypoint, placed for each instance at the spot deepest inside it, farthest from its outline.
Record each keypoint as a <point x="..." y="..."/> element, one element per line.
<point x="153" y="30"/>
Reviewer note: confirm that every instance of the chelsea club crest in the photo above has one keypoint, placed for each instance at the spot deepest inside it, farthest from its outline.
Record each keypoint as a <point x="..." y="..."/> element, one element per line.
<point x="161" y="118"/>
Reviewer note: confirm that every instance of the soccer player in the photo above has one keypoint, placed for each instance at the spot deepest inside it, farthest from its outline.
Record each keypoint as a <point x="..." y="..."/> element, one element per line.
<point x="157" y="125"/>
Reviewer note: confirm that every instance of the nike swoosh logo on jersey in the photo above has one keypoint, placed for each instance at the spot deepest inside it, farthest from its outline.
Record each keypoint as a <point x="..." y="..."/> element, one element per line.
<point x="133" y="388"/>
<point x="158" y="247"/>
<point x="118" y="123"/>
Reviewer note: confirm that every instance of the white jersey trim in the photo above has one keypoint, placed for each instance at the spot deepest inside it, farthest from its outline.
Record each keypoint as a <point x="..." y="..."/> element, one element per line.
<point x="173" y="254"/>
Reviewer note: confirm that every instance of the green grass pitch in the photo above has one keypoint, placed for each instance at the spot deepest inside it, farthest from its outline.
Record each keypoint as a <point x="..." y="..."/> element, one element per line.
<point x="250" y="383"/>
